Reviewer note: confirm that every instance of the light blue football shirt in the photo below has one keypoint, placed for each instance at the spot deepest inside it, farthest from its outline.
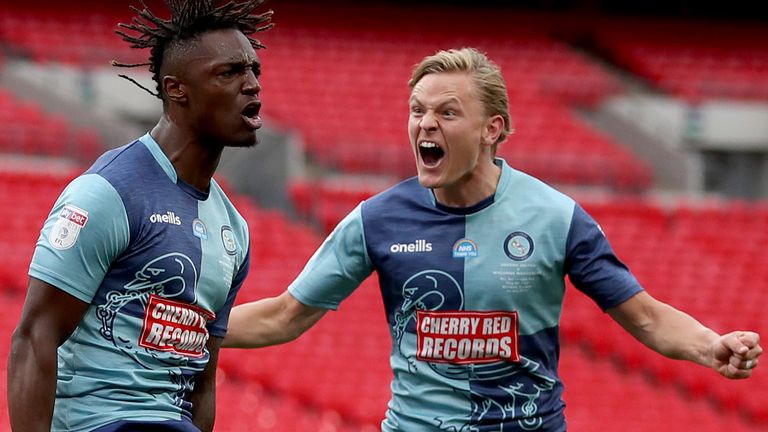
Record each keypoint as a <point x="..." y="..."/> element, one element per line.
<point x="160" y="263"/>
<point x="473" y="298"/>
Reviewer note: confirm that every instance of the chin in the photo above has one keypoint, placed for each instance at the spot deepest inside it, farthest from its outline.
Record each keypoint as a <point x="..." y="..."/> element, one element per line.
<point x="429" y="181"/>
<point x="250" y="141"/>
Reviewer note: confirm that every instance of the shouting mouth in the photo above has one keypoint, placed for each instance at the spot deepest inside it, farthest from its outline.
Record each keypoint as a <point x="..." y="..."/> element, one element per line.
<point x="251" y="115"/>
<point x="431" y="154"/>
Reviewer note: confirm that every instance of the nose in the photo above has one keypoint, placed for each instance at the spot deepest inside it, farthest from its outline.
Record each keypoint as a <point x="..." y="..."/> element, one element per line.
<point x="428" y="122"/>
<point x="251" y="84"/>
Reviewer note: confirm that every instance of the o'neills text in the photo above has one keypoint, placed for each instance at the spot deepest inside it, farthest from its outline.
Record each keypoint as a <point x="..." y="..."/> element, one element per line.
<point x="467" y="337"/>
<point x="417" y="246"/>
<point x="175" y="327"/>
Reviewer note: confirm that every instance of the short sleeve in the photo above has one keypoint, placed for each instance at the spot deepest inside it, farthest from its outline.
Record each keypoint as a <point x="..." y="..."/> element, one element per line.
<point x="86" y="230"/>
<point x="337" y="268"/>
<point x="593" y="267"/>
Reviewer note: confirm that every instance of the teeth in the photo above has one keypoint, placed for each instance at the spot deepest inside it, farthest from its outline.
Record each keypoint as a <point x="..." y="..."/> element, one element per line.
<point x="428" y="144"/>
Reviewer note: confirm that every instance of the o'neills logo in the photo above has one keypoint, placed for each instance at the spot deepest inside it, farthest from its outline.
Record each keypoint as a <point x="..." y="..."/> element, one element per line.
<point x="175" y="327"/>
<point x="417" y="246"/>
<point x="467" y="337"/>
<point x="168" y="217"/>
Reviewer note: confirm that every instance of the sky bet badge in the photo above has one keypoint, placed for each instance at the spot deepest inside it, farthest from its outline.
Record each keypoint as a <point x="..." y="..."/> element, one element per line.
<point x="67" y="227"/>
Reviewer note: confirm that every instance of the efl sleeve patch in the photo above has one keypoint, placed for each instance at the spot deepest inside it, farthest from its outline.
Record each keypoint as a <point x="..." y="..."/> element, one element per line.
<point x="462" y="337"/>
<point x="85" y="231"/>
<point x="66" y="230"/>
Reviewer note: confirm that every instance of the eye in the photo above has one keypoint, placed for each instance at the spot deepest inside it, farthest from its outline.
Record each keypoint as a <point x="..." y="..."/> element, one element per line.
<point x="416" y="110"/>
<point x="232" y="71"/>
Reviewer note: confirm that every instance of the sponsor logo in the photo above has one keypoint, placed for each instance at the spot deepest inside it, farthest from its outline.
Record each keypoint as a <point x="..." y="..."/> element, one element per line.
<point x="417" y="246"/>
<point x="461" y="337"/>
<point x="175" y="327"/>
<point x="199" y="229"/>
<point x="66" y="230"/>
<point x="167" y="217"/>
<point x="518" y="246"/>
<point x="464" y="248"/>
<point x="228" y="240"/>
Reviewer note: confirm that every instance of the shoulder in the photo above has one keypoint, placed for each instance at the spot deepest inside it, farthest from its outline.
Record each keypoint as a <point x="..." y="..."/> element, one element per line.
<point x="536" y="190"/>
<point x="407" y="193"/>
<point x="130" y="169"/>
<point x="92" y="191"/>
<point x="528" y="192"/>
<point x="113" y="160"/>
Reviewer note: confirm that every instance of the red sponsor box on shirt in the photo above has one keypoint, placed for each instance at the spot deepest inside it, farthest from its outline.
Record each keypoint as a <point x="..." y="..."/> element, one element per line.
<point x="465" y="337"/>
<point x="176" y="327"/>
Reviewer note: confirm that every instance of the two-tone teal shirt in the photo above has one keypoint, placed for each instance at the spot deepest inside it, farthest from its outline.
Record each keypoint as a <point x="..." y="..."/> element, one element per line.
<point x="473" y="298"/>
<point x="160" y="263"/>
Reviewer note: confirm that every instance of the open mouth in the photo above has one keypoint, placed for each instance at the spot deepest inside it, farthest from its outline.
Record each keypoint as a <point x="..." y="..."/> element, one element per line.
<point x="430" y="153"/>
<point x="251" y="115"/>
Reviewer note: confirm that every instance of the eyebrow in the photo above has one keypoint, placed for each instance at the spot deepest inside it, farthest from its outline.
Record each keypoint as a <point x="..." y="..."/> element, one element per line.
<point x="450" y="99"/>
<point x="239" y="60"/>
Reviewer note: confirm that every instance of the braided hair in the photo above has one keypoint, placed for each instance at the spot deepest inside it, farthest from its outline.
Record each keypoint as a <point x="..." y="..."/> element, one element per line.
<point x="189" y="19"/>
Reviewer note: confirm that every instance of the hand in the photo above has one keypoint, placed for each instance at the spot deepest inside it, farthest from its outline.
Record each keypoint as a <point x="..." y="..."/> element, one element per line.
<point x="735" y="354"/>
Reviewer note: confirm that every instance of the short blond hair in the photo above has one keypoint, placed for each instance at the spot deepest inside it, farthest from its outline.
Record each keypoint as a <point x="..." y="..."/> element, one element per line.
<point x="487" y="76"/>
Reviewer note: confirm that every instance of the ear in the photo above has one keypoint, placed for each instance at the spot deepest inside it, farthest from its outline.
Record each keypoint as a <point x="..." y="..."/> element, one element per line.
<point x="492" y="130"/>
<point x="174" y="89"/>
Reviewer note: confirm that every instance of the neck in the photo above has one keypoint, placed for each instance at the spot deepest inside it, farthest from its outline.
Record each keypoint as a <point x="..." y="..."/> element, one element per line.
<point x="476" y="186"/>
<point x="194" y="161"/>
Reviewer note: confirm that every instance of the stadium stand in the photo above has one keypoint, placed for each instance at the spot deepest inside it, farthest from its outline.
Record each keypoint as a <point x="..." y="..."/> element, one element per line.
<point x="29" y="130"/>
<point x="340" y="84"/>
<point x="89" y="40"/>
<point x="29" y="195"/>
<point x="327" y="201"/>
<point x="602" y="396"/>
<point x="339" y="69"/>
<point x="692" y="60"/>
<point x="245" y="406"/>
<point x="342" y="368"/>
<point x="693" y="257"/>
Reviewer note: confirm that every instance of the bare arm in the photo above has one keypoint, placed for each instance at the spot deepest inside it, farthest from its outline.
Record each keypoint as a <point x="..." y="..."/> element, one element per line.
<point x="270" y="321"/>
<point x="677" y="335"/>
<point x="203" y="397"/>
<point x="49" y="317"/>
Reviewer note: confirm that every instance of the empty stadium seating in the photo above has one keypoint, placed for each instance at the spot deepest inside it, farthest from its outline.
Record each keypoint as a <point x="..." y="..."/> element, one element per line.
<point x="29" y="130"/>
<point x="327" y="201"/>
<point x="28" y="195"/>
<point x="338" y="372"/>
<point x="80" y="35"/>
<point x="701" y="259"/>
<point x="694" y="61"/>
<point x="329" y="85"/>
<point x="342" y="84"/>
<point x="245" y="406"/>
<point x="601" y="395"/>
